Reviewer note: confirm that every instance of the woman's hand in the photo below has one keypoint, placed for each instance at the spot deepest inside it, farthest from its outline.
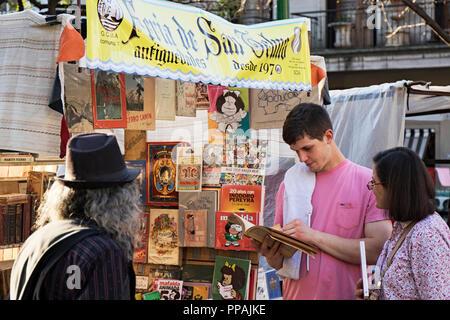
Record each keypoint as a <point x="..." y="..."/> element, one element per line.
<point x="359" y="292"/>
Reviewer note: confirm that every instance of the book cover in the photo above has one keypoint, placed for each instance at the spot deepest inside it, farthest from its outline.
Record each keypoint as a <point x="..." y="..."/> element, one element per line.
<point x="135" y="143"/>
<point x="162" y="272"/>
<point x="78" y="99"/>
<point x="141" y="283"/>
<point x="196" y="291"/>
<point x="165" y="98"/>
<point x="108" y="99"/>
<point x="170" y="289"/>
<point x="163" y="245"/>
<point x="231" y="279"/>
<point x="230" y="235"/>
<point x="195" y="232"/>
<point x="140" y="115"/>
<point x="273" y="283"/>
<point x="141" y="165"/>
<point x="241" y="198"/>
<point x="207" y="199"/>
<point x="186" y="95"/>
<point x="189" y="169"/>
<point x="141" y="247"/>
<point x="153" y="295"/>
<point x="161" y="174"/>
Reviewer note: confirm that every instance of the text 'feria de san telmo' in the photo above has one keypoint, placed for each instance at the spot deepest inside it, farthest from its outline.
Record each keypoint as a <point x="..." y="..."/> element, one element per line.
<point x="169" y="40"/>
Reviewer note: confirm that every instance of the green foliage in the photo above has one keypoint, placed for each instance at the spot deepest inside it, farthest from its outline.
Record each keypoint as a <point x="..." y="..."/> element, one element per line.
<point x="227" y="9"/>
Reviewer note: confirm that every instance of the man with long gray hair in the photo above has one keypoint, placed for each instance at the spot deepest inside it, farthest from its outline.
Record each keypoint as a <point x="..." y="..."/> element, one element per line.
<point x="82" y="248"/>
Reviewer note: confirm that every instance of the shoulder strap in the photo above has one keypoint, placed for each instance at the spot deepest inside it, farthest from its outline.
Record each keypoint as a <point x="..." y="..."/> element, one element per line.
<point x="399" y="243"/>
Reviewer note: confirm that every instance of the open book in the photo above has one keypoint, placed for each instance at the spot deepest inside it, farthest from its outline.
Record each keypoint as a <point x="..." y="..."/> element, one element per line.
<point x="289" y="245"/>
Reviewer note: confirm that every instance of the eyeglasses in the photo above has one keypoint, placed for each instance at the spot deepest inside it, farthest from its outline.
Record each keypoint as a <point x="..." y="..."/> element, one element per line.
<point x="371" y="184"/>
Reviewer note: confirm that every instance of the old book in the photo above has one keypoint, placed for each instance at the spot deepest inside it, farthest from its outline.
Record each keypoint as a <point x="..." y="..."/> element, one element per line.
<point x="170" y="289"/>
<point x="231" y="279"/>
<point x="289" y="245"/>
<point x="207" y="199"/>
<point x="12" y="210"/>
<point x="201" y="96"/>
<point x="196" y="291"/>
<point x="195" y="232"/>
<point x="230" y="235"/>
<point x="273" y="283"/>
<point x="141" y="165"/>
<point x="140" y="103"/>
<point x="185" y="99"/>
<point x="4" y="224"/>
<point x="241" y="198"/>
<point x="140" y="249"/>
<point x="13" y="198"/>
<point x="142" y="283"/>
<point x="135" y="142"/>
<point x="19" y="223"/>
<point x="163" y="247"/>
<point x="165" y="99"/>
<point x="26" y="218"/>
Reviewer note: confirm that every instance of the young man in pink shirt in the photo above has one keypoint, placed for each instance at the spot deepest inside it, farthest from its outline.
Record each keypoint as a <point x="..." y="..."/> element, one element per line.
<point x="343" y="212"/>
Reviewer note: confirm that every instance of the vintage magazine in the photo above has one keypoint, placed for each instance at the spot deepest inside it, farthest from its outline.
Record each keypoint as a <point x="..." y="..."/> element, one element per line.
<point x="135" y="144"/>
<point x="212" y="163"/>
<point x="108" y="99"/>
<point x="195" y="228"/>
<point x="186" y="95"/>
<point x="140" y="164"/>
<point x="140" y="102"/>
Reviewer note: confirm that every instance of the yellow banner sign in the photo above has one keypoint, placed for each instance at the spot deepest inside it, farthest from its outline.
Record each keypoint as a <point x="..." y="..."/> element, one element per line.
<point x="170" y="40"/>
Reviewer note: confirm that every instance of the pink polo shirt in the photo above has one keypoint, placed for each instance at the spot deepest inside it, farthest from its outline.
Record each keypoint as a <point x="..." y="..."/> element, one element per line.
<point x="342" y="204"/>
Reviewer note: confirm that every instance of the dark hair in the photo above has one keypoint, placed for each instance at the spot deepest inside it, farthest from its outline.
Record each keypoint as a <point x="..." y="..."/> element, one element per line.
<point x="237" y="276"/>
<point x="410" y="189"/>
<point x="307" y="119"/>
<point x="221" y="100"/>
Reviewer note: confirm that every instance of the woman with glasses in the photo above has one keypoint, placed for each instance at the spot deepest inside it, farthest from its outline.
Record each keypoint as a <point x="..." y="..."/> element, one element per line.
<point x="415" y="261"/>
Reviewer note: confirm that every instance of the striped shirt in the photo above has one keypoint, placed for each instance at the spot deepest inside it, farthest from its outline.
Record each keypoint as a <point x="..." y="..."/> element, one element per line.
<point x="93" y="269"/>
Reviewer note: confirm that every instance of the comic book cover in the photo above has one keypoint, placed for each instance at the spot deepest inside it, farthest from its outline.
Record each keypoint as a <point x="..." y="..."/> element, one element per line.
<point x="230" y="236"/>
<point x="231" y="279"/>
<point x="196" y="291"/>
<point x="170" y="289"/>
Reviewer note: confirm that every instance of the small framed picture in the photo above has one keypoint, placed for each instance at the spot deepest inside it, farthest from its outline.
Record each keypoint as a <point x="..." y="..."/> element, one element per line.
<point x="109" y="105"/>
<point x="161" y="174"/>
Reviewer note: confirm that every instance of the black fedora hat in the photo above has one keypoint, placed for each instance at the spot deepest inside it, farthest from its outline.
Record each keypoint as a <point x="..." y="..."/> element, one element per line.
<point x="94" y="160"/>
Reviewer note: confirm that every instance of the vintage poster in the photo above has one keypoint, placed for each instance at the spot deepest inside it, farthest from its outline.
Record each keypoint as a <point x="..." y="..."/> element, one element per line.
<point x="78" y="99"/>
<point x="241" y="198"/>
<point x="189" y="169"/>
<point x="230" y="236"/>
<point x="207" y="199"/>
<point x="108" y="99"/>
<point x="135" y="143"/>
<point x="186" y="96"/>
<point x="140" y="164"/>
<point x="163" y="247"/>
<point x="140" y="108"/>
<point x="231" y="279"/>
<point x="195" y="228"/>
<point x="228" y="113"/>
<point x="141" y="283"/>
<point x="161" y="174"/>
<point x="165" y="99"/>
<point x="140" y="249"/>
<point x="182" y="42"/>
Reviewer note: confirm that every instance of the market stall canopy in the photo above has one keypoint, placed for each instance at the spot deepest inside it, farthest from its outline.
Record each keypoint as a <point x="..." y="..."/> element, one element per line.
<point x="180" y="42"/>
<point x="426" y="99"/>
